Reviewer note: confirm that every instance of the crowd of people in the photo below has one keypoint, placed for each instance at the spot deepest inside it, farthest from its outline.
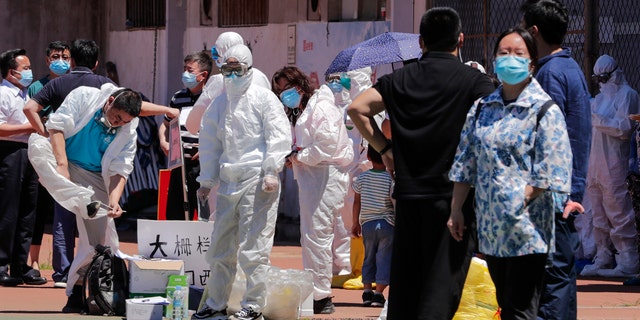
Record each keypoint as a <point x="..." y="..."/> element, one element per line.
<point x="531" y="173"/>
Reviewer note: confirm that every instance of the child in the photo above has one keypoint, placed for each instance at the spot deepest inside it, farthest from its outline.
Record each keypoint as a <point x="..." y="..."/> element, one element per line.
<point x="373" y="219"/>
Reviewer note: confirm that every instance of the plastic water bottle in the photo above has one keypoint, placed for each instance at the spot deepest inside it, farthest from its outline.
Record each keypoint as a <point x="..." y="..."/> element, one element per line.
<point x="178" y="302"/>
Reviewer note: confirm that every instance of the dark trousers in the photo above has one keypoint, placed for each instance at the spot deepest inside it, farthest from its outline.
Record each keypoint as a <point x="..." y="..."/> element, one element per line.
<point x="428" y="267"/>
<point x="64" y="242"/>
<point x="44" y="211"/>
<point x="519" y="282"/>
<point x="559" y="296"/>
<point x="18" y="195"/>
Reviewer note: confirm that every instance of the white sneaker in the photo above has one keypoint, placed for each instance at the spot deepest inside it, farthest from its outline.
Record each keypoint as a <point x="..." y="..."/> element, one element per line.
<point x="60" y="284"/>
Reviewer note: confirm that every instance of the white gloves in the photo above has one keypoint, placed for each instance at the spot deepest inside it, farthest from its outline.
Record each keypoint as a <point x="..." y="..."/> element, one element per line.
<point x="203" y="194"/>
<point x="270" y="183"/>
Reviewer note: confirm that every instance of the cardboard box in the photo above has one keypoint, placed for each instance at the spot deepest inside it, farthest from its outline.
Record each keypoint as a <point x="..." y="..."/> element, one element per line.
<point x="150" y="277"/>
<point x="143" y="311"/>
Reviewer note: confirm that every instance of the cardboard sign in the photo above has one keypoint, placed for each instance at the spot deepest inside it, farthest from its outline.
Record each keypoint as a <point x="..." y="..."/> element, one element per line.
<point x="175" y="145"/>
<point x="183" y="240"/>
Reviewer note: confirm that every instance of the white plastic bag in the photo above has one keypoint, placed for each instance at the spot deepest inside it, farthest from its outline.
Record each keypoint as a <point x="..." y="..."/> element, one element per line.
<point x="285" y="290"/>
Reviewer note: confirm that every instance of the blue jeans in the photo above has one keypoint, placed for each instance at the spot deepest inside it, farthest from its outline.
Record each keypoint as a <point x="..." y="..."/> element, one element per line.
<point x="64" y="242"/>
<point x="378" y="244"/>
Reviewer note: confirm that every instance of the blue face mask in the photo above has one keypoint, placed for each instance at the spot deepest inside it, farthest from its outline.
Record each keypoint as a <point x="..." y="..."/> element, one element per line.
<point x="291" y="98"/>
<point x="27" y="78"/>
<point x="59" y="67"/>
<point x="189" y="80"/>
<point x="335" y="86"/>
<point x="512" y="69"/>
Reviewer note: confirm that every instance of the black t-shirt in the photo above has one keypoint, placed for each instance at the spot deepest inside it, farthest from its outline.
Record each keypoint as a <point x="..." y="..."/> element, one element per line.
<point x="54" y="92"/>
<point x="427" y="102"/>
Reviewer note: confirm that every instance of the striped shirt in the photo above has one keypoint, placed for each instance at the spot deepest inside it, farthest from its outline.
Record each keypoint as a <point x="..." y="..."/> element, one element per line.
<point x="375" y="188"/>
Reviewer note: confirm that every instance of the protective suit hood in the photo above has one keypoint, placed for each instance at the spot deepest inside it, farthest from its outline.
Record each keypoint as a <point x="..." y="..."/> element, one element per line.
<point x="606" y="64"/>
<point x="236" y="86"/>
<point x="360" y="81"/>
<point x="322" y="94"/>
<point x="227" y="40"/>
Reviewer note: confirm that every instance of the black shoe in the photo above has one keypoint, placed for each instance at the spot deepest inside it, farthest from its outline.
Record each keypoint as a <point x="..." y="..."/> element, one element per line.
<point x="367" y="296"/>
<point x="92" y="208"/>
<point x="74" y="302"/>
<point x="323" y="306"/>
<point x="208" y="313"/>
<point x="33" y="277"/>
<point x="8" y="281"/>
<point x="378" y="300"/>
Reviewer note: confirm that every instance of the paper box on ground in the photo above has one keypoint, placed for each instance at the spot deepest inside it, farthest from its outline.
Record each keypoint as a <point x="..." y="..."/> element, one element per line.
<point x="137" y="309"/>
<point x="150" y="277"/>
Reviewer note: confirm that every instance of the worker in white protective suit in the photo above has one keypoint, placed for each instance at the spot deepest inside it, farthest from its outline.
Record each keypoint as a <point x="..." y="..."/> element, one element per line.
<point x="348" y="254"/>
<point x="212" y="89"/>
<point x="92" y="146"/>
<point x="613" y="216"/>
<point x="321" y="151"/>
<point x="243" y="143"/>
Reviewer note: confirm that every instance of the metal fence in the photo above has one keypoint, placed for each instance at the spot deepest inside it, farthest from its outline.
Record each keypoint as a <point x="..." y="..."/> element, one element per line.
<point x="596" y="27"/>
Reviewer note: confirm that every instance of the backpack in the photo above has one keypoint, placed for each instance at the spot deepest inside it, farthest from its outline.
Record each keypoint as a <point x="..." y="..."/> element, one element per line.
<point x="106" y="284"/>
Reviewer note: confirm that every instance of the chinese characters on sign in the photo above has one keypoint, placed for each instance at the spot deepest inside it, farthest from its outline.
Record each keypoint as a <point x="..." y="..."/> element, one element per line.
<point x="181" y="240"/>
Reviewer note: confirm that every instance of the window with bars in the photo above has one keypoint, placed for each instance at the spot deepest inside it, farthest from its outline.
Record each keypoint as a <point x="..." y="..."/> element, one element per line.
<point x="146" y="13"/>
<point x="242" y="13"/>
<point x="356" y="10"/>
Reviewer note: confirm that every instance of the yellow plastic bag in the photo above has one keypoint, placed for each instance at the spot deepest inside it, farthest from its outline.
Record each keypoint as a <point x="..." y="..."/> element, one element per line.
<point x="479" y="294"/>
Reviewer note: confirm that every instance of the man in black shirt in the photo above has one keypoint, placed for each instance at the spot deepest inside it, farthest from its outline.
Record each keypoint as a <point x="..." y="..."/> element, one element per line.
<point x="427" y="102"/>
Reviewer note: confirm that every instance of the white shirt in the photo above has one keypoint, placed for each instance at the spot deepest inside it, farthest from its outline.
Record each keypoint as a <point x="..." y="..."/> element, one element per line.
<point x="12" y="101"/>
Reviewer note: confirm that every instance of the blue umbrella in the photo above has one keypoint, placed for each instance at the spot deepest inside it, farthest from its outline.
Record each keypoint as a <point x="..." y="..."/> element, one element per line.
<point x="388" y="47"/>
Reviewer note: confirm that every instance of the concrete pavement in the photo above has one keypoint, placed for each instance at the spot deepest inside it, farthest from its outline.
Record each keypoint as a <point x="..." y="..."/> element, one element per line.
<point x="598" y="298"/>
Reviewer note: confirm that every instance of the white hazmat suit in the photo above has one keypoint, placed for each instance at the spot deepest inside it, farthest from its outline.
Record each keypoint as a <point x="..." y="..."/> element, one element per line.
<point x="360" y="80"/>
<point x="211" y="90"/>
<point x="243" y="143"/>
<point x="77" y="110"/>
<point x="613" y="215"/>
<point x="320" y="170"/>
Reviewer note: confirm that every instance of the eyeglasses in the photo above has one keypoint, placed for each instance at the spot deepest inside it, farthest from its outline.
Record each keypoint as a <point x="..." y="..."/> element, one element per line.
<point x="239" y="69"/>
<point x="603" y="77"/>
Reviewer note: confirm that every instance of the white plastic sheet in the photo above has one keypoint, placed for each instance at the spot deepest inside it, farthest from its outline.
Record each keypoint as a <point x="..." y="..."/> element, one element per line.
<point x="65" y="192"/>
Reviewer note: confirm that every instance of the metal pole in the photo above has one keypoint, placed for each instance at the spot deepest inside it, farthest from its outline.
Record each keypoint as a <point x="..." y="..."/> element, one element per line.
<point x="591" y="43"/>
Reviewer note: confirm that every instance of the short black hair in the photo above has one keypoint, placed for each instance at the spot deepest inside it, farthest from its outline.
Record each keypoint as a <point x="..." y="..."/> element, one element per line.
<point x="8" y="60"/>
<point x="550" y="16"/>
<point x="57" y="46"/>
<point x="204" y="60"/>
<point x="529" y="41"/>
<point x="128" y="101"/>
<point x="85" y="53"/>
<point x="373" y="155"/>
<point x="440" y="29"/>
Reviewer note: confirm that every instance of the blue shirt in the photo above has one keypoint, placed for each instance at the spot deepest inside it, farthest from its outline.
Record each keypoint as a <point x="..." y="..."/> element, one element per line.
<point x="86" y="148"/>
<point x="562" y="78"/>
<point x="501" y="153"/>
